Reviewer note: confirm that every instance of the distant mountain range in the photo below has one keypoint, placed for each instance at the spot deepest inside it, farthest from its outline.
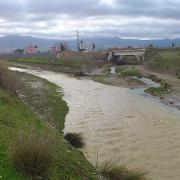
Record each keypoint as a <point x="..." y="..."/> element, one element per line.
<point x="11" y="42"/>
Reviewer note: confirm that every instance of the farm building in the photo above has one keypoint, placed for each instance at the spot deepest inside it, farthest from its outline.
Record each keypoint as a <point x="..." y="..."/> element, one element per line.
<point x="32" y="50"/>
<point x="55" y="49"/>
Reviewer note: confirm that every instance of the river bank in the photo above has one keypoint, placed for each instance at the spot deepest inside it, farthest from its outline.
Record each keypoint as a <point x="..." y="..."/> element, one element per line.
<point x="101" y="73"/>
<point x="172" y="97"/>
<point x="120" y="124"/>
<point x="41" y="110"/>
<point x="39" y="99"/>
<point x="131" y="76"/>
<point x="45" y="99"/>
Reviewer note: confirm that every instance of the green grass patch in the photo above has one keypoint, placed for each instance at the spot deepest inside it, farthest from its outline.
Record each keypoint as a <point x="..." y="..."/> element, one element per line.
<point x="159" y="91"/>
<point x="47" y="60"/>
<point x="136" y="81"/>
<point x="156" y="91"/>
<point x="126" y="71"/>
<point x="77" y="63"/>
<point x="15" y="116"/>
<point x="43" y="60"/>
<point x="165" y="59"/>
<point x="100" y="79"/>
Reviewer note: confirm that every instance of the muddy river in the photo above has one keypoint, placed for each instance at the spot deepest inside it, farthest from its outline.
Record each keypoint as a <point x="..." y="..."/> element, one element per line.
<point x="122" y="125"/>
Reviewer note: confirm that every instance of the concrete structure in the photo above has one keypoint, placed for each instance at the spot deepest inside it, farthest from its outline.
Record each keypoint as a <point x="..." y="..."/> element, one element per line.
<point x="120" y="53"/>
<point x="86" y="47"/>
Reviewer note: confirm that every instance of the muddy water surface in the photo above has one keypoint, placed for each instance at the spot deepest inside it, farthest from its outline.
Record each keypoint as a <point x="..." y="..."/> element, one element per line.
<point x="121" y="124"/>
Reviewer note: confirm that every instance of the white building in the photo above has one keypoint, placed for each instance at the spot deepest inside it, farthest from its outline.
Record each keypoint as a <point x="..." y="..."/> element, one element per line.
<point x="86" y="47"/>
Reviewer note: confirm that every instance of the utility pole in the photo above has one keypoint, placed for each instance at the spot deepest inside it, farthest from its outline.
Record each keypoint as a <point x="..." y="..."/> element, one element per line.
<point x="78" y="40"/>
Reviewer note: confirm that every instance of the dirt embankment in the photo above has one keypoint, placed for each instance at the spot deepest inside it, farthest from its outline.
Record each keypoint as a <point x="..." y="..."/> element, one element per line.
<point x="99" y="71"/>
<point x="45" y="100"/>
<point x="76" y="67"/>
<point x="47" y="66"/>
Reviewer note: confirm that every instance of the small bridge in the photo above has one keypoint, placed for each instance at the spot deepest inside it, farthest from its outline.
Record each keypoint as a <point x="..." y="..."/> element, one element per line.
<point x="118" y="55"/>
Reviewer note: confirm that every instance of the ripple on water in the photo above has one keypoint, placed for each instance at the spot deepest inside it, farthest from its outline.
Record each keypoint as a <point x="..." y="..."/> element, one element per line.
<point x="122" y="125"/>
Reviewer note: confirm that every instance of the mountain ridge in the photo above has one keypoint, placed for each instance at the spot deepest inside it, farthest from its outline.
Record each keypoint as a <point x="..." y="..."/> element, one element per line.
<point x="11" y="42"/>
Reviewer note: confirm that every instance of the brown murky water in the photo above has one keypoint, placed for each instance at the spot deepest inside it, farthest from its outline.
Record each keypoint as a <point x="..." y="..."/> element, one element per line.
<point x="123" y="125"/>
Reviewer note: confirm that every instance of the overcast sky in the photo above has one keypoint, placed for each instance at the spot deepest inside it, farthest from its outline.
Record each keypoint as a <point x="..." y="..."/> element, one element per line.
<point x="110" y="18"/>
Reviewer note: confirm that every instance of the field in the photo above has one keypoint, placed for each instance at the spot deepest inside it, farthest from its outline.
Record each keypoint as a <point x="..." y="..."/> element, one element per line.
<point x="69" y="62"/>
<point x="165" y="60"/>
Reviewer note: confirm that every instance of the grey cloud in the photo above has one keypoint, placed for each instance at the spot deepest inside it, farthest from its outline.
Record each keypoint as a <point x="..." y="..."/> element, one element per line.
<point x="83" y="8"/>
<point x="29" y="14"/>
<point x="153" y="8"/>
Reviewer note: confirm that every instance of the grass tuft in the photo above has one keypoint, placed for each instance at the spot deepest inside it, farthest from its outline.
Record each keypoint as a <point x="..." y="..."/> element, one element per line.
<point x="166" y="60"/>
<point x="128" y="72"/>
<point x="113" y="172"/>
<point x="75" y="140"/>
<point x="32" y="154"/>
<point x="159" y="91"/>
<point x="7" y="80"/>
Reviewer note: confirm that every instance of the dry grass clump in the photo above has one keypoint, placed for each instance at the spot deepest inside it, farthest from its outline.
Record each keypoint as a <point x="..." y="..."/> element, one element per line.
<point x="33" y="154"/>
<point x="75" y="140"/>
<point x="113" y="172"/>
<point x="7" y="79"/>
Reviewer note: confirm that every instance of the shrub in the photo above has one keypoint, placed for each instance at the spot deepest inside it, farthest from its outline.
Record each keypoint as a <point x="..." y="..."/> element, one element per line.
<point x="159" y="91"/>
<point x="166" y="60"/>
<point x="75" y="140"/>
<point x="32" y="154"/>
<point x="112" y="172"/>
<point x="7" y="80"/>
<point x="131" y="72"/>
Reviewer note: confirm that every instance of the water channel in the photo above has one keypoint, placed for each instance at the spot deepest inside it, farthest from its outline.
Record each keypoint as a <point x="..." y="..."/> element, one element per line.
<point x="123" y="125"/>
